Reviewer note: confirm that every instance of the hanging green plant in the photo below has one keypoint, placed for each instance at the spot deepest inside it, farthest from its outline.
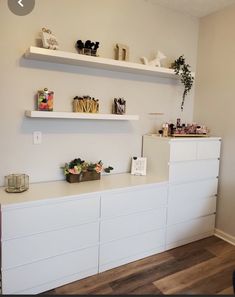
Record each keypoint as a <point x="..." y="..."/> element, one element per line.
<point x="182" y="69"/>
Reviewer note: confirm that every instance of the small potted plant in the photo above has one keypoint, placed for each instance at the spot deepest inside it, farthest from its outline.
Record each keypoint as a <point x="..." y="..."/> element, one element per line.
<point x="182" y="69"/>
<point x="79" y="170"/>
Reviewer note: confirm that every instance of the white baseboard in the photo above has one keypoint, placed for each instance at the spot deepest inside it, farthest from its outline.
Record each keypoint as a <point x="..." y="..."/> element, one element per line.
<point x="225" y="236"/>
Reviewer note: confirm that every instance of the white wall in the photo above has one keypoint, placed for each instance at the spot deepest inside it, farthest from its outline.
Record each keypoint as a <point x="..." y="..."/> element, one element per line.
<point x="215" y="102"/>
<point x="145" y="27"/>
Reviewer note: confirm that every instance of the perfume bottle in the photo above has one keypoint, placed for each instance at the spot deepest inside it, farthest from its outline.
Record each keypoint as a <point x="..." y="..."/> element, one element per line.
<point x="165" y="129"/>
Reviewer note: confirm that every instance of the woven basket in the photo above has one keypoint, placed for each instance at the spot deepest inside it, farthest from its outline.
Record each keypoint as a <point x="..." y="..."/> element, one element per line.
<point x="84" y="176"/>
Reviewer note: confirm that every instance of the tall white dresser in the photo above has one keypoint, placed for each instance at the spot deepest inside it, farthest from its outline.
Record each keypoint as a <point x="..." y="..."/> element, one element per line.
<point x="192" y="167"/>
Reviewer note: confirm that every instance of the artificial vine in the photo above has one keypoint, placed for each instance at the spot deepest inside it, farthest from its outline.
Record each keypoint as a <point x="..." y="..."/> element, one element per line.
<point x="182" y="69"/>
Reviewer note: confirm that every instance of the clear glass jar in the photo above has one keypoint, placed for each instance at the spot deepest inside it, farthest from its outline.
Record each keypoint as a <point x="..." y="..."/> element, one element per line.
<point x="16" y="183"/>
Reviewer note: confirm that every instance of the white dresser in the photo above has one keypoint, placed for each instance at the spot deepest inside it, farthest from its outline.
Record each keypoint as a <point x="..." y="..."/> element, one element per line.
<point x="192" y="167"/>
<point x="56" y="232"/>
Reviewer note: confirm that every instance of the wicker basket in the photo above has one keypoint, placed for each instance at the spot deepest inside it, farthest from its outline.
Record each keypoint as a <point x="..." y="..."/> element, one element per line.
<point x="84" y="176"/>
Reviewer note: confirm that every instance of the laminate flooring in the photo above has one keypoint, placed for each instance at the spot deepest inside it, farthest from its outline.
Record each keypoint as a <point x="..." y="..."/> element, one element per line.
<point x="202" y="267"/>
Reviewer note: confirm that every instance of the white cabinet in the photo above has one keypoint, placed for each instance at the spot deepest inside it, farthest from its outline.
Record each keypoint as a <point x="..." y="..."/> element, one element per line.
<point x="133" y="225"/>
<point x="49" y="243"/>
<point x="48" y="240"/>
<point x="192" y="167"/>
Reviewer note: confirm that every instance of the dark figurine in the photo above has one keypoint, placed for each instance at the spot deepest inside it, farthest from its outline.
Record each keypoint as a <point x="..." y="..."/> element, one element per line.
<point x="96" y="46"/>
<point x="88" y="48"/>
<point x="119" y="106"/>
<point x="80" y="47"/>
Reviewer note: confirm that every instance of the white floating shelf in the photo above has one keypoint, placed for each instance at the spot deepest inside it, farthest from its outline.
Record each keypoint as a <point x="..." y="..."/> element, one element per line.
<point x="55" y="56"/>
<point x="81" y="116"/>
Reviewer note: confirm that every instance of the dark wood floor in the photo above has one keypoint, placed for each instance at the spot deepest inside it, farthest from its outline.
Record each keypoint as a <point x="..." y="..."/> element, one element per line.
<point x="202" y="267"/>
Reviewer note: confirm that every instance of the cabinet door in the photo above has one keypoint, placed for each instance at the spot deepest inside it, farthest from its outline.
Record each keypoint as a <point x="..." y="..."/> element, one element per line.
<point x="188" y="231"/>
<point x="49" y="216"/>
<point x="183" y="151"/>
<point x="208" y="149"/>
<point x="125" y="226"/>
<point x="193" y="190"/>
<point x="27" y="277"/>
<point x="130" y="201"/>
<point x="182" y="210"/>
<point x="40" y="246"/>
<point x="129" y="249"/>
<point x="193" y="170"/>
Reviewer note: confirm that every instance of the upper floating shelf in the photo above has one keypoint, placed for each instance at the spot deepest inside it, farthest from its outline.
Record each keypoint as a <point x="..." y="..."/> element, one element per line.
<point x="81" y="116"/>
<point x="55" y="56"/>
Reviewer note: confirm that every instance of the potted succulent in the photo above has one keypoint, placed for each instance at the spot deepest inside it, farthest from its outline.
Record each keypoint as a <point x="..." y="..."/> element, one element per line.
<point x="182" y="69"/>
<point x="79" y="170"/>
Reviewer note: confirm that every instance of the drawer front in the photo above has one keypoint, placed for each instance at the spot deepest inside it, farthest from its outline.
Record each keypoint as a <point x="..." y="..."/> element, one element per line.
<point x="125" y="226"/>
<point x="190" y="229"/>
<point x="123" y="203"/>
<point x="195" y="170"/>
<point x="42" y="272"/>
<point x="37" y="247"/>
<point x="33" y="220"/>
<point x="208" y="149"/>
<point x="125" y="248"/>
<point x="186" y="209"/>
<point x="183" y="151"/>
<point x="193" y="190"/>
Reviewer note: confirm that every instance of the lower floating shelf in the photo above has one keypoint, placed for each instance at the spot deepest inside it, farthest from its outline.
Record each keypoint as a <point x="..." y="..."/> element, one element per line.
<point x="81" y="116"/>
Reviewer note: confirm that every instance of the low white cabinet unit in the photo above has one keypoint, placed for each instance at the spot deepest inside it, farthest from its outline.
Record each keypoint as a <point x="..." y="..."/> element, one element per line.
<point x="57" y="232"/>
<point x="192" y="167"/>
<point x="133" y="225"/>
<point x="45" y="244"/>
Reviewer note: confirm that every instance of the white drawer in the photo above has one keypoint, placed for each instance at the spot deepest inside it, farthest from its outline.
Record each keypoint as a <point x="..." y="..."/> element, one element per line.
<point x="182" y="231"/>
<point x="125" y="226"/>
<point x="123" y="249"/>
<point x="42" y="272"/>
<point x="208" y="149"/>
<point x="193" y="170"/>
<point x="33" y="220"/>
<point x="183" y="151"/>
<point x="186" y="209"/>
<point x="37" y="247"/>
<point x="127" y="202"/>
<point x="193" y="190"/>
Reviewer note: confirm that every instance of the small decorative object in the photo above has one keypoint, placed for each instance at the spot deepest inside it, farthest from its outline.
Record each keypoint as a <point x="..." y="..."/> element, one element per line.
<point x="16" y="183"/>
<point x="138" y="166"/>
<point x="156" y="61"/>
<point x="160" y="132"/>
<point x="48" y="40"/>
<point x="165" y="129"/>
<point x="85" y="104"/>
<point x="122" y="52"/>
<point x="45" y="100"/>
<point x="88" y="48"/>
<point x="79" y="170"/>
<point x="119" y="106"/>
<point x="182" y="69"/>
<point x="80" y="47"/>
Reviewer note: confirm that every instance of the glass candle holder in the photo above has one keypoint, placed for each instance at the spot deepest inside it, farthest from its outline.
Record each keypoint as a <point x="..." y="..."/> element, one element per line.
<point x="16" y="183"/>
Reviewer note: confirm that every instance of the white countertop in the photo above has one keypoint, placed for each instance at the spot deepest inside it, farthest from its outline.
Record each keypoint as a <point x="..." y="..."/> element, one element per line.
<point x="39" y="192"/>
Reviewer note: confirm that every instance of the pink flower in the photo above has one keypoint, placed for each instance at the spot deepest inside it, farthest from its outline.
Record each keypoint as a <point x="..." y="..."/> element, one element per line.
<point x="98" y="168"/>
<point x="73" y="171"/>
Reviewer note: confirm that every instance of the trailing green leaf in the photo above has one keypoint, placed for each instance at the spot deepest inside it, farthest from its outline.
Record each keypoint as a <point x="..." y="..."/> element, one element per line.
<point x="186" y="78"/>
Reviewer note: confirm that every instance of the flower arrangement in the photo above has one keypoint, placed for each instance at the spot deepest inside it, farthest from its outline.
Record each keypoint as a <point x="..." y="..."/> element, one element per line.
<point x="79" y="170"/>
